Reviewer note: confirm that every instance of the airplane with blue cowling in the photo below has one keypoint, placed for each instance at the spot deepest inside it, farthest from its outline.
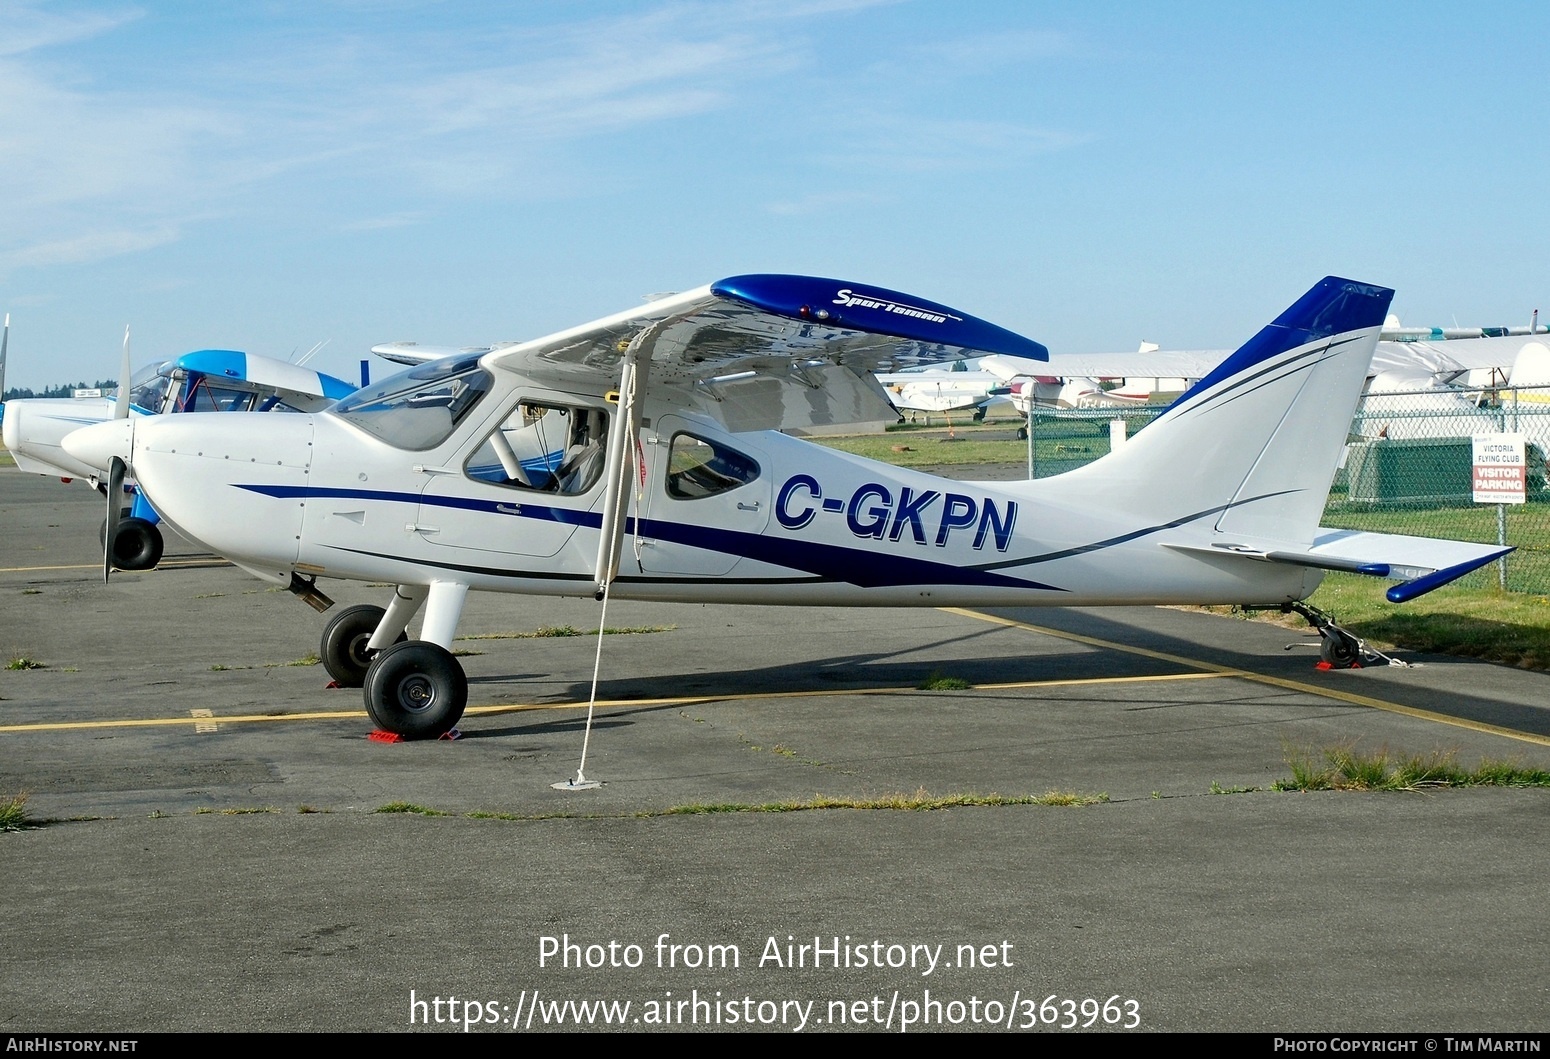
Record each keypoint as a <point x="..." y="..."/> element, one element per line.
<point x="206" y="380"/>
<point x="642" y="456"/>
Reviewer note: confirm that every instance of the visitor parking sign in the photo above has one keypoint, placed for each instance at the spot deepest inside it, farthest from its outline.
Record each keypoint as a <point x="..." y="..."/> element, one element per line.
<point x="1501" y="469"/>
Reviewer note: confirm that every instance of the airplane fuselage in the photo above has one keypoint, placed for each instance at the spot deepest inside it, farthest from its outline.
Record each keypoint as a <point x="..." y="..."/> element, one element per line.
<point x="712" y="516"/>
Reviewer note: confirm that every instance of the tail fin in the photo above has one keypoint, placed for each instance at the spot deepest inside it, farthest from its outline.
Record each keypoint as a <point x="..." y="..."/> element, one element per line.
<point x="1254" y="445"/>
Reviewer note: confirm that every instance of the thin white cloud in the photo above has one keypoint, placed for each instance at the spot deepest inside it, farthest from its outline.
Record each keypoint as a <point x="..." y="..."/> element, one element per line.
<point x="93" y="246"/>
<point x="26" y="27"/>
<point x="89" y="167"/>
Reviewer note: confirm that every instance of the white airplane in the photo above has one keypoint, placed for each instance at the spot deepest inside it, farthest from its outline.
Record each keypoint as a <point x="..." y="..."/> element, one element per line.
<point x="959" y="386"/>
<point x="206" y="380"/>
<point x="983" y="382"/>
<point x="637" y="455"/>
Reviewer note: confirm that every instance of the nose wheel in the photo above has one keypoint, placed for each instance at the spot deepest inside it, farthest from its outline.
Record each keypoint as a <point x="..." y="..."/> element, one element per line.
<point x="345" y="638"/>
<point x="137" y="544"/>
<point x="416" y="690"/>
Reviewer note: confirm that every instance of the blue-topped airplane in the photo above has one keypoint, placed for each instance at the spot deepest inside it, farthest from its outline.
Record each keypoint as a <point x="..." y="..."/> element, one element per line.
<point x="207" y="380"/>
<point x="640" y="455"/>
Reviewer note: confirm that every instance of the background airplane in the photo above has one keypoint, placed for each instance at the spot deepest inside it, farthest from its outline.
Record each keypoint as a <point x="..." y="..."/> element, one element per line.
<point x="206" y="380"/>
<point x="675" y="483"/>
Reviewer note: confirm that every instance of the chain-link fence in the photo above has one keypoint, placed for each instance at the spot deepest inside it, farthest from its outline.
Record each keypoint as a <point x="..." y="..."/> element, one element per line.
<point x="1407" y="469"/>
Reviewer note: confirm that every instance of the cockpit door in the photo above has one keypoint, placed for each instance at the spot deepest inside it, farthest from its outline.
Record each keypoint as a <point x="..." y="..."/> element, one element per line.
<point x="704" y="502"/>
<point x="524" y="489"/>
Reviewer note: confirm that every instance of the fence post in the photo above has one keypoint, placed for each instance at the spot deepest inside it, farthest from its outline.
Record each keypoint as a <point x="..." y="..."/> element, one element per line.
<point x="1501" y="509"/>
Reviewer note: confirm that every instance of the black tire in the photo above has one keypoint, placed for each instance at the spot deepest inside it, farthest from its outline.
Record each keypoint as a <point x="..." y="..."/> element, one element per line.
<point x="137" y="545"/>
<point x="416" y="690"/>
<point x="1022" y="433"/>
<point x="1338" y="649"/>
<point x="102" y="527"/>
<point x="344" y="644"/>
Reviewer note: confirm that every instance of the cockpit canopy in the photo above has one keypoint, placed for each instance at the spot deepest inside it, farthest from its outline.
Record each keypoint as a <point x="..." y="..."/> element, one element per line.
<point x="418" y="409"/>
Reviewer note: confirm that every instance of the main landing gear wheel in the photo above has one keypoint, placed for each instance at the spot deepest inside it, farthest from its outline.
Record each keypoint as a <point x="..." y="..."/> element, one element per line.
<point x="136" y="546"/>
<point x="1338" y="649"/>
<point x="416" y="690"/>
<point x="344" y="644"/>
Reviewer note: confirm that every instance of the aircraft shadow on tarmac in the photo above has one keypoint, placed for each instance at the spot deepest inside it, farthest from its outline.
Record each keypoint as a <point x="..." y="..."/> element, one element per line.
<point x="1438" y="695"/>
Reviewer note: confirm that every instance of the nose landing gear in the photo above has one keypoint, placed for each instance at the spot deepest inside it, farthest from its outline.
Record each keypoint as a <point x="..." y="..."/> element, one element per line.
<point x="344" y="651"/>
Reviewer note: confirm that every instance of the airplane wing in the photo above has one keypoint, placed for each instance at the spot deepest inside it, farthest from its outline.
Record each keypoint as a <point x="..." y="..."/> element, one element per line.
<point x="763" y="352"/>
<point x="1440" y="358"/>
<point x="412" y="353"/>
<point x="1464" y="353"/>
<point x="1420" y="564"/>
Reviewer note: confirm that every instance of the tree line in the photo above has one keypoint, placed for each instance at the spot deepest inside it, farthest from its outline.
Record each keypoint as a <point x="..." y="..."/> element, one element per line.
<point x="109" y="387"/>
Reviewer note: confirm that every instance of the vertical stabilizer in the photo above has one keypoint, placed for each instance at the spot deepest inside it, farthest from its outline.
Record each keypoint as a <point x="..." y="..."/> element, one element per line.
<point x="1253" y="447"/>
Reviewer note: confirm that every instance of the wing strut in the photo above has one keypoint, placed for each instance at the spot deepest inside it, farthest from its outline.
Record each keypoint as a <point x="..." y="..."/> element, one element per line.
<point x="617" y="472"/>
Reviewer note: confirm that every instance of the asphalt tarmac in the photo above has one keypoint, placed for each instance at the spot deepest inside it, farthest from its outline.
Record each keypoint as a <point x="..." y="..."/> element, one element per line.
<point x="212" y="851"/>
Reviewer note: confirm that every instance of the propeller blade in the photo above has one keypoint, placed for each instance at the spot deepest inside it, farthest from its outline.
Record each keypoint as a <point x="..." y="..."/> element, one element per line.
<point x="121" y="409"/>
<point x="5" y="340"/>
<point x="115" y="484"/>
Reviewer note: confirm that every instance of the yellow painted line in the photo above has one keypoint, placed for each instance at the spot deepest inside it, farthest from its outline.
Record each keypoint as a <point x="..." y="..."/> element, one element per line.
<point x="205" y="717"/>
<point x="1260" y="678"/>
<point x="166" y="564"/>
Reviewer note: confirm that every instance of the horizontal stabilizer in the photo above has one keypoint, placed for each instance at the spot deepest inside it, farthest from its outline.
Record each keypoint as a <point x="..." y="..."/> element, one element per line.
<point x="1419" y="563"/>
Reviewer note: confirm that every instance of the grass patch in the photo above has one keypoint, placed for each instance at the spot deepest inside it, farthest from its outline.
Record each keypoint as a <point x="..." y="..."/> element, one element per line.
<point x="920" y="801"/>
<point x="1343" y="768"/>
<point x="938" y="681"/>
<point x="307" y="809"/>
<point x="23" y="662"/>
<point x="1058" y="444"/>
<point x="32" y="591"/>
<point x="409" y="807"/>
<point x="13" y="813"/>
<point x="1217" y="788"/>
<point x="305" y="660"/>
<point x="546" y="631"/>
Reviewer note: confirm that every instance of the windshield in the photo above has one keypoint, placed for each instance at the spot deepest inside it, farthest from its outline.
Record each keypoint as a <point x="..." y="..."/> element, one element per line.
<point x="419" y="408"/>
<point x="149" y="391"/>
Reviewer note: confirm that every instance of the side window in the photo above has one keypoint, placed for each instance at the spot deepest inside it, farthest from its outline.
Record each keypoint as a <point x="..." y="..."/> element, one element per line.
<point x="545" y="447"/>
<point x="697" y="468"/>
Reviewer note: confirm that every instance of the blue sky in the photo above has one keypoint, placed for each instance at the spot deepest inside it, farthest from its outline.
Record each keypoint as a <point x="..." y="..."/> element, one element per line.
<point x="270" y="175"/>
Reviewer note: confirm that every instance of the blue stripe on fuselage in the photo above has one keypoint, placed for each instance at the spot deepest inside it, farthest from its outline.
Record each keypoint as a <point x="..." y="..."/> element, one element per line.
<point x="831" y="562"/>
